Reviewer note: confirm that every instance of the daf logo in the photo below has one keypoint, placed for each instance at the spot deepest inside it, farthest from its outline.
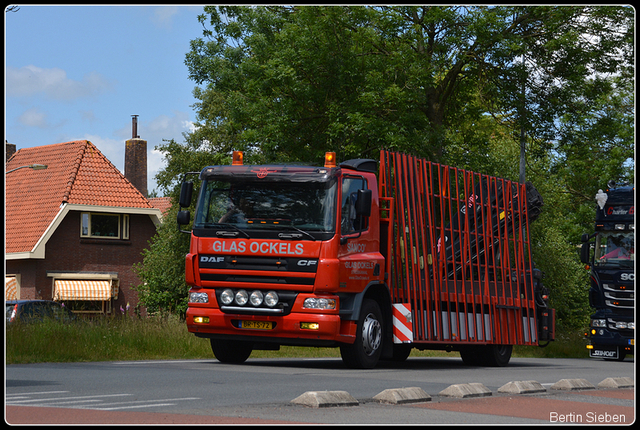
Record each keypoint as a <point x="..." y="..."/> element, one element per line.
<point x="212" y="259"/>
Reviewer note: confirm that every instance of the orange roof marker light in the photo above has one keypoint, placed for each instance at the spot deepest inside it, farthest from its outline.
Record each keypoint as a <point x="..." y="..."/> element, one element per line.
<point x="237" y="159"/>
<point x="329" y="159"/>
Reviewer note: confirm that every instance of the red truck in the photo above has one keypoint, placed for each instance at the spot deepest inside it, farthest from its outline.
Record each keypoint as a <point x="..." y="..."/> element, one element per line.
<point x="375" y="258"/>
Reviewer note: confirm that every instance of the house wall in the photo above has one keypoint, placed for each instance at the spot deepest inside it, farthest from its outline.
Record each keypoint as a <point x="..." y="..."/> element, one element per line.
<point x="66" y="251"/>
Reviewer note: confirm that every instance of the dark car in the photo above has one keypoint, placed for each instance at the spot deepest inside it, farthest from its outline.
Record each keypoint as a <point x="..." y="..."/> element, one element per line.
<point x="29" y="311"/>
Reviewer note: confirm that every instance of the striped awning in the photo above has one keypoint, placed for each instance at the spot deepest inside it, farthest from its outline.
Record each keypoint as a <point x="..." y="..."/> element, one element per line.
<point x="10" y="288"/>
<point x="67" y="289"/>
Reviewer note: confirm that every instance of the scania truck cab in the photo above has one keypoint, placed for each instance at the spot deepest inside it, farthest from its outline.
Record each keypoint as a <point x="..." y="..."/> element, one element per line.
<point x="611" y="333"/>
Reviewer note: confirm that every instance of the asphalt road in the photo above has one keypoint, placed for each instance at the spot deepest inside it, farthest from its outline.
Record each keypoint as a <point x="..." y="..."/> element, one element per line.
<point x="261" y="390"/>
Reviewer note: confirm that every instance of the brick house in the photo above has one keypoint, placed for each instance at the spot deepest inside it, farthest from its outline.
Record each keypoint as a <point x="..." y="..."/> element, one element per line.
<point x="75" y="229"/>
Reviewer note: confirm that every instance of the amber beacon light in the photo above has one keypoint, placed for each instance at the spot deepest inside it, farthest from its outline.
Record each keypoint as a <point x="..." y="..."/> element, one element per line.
<point x="330" y="159"/>
<point x="237" y="158"/>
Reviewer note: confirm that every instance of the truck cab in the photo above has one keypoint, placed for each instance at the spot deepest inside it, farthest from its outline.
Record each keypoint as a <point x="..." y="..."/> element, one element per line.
<point x="612" y="275"/>
<point x="278" y="255"/>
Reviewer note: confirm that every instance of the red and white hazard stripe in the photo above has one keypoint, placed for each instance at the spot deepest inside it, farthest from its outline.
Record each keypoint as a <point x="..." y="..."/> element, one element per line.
<point x="402" y="323"/>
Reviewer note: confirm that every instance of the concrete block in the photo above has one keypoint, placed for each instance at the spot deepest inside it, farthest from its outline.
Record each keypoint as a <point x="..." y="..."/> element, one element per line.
<point x="474" y="389"/>
<point x="624" y="382"/>
<point x="325" y="399"/>
<point x="572" y="384"/>
<point x="522" y="387"/>
<point x="398" y="396"/>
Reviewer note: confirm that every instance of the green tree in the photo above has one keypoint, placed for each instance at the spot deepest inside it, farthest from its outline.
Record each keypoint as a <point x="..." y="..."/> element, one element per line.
<point x="163" y="287"/>
<point x="462" y="85"/>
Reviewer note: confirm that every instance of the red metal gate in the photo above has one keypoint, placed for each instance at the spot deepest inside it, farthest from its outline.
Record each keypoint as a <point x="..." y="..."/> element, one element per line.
<point x="458" y="252"/>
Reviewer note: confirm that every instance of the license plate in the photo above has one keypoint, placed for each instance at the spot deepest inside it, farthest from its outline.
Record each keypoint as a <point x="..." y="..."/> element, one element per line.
<point x="256" y="325"/>
<point x="632" y="342"/>
<point x="603" y="353"/>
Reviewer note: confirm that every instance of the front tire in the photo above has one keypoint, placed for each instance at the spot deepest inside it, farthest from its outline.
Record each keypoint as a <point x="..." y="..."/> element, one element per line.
<point x="365" y="352"/>
<point x="231" y="351"/>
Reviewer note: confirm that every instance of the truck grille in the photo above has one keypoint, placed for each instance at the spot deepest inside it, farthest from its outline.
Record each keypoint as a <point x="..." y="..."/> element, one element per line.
<point x="241" y="270"/>
<point x="618" y="296"/>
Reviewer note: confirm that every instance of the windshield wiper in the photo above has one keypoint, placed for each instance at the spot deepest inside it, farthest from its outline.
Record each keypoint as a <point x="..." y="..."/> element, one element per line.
<point x="295" y="236"/>
<point x="227" y="233"/>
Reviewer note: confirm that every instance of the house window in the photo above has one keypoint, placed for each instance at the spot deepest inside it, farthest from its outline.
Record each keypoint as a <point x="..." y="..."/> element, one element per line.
<point x="104" y="226"/>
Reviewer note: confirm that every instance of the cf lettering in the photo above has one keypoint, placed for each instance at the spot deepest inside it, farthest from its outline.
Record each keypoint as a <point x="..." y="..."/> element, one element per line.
<point x="307" y="263"/>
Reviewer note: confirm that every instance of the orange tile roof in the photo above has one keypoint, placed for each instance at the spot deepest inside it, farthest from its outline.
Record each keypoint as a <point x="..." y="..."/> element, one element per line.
<point x="77" y="173"/>
<point x="162" y="203"/>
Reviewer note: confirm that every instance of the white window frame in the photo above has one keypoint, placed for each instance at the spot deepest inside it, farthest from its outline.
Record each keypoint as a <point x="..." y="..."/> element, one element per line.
<point x="88" y="234"/>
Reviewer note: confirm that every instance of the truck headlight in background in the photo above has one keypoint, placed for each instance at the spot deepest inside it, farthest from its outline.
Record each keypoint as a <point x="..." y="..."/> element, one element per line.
<point x="322" y="303"/>
<point x="198" y="298"/>
<point x="598" y="323"/>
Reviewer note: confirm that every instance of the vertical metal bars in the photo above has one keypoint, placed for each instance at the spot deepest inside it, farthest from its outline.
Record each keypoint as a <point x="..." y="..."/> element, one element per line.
<point x="459" y="252"/>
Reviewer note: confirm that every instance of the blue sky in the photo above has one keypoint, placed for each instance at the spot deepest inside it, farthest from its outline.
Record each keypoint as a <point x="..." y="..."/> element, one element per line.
<point x="80" y="72"/>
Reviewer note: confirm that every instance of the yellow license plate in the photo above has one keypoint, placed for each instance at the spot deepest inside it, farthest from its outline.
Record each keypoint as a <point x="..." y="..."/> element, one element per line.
<point x="632" y="341"/>
<point x="256" y="325"/>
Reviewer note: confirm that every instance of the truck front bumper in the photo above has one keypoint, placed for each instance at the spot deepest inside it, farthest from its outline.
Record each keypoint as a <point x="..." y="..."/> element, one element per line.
<point x="312" y="329"/>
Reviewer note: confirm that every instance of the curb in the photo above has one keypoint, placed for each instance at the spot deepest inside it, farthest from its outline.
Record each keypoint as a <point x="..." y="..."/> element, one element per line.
<point x="522" y="387"/>
<point x="572" y="385"/>
<point x="325" y="399"/>
<point x="462" y="391"/>
<point x="398" y="396"/>
<point x="624" y="382"/>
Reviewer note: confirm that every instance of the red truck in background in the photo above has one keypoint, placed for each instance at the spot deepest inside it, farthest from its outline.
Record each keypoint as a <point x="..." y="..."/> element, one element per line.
<point x="375" y="258"/>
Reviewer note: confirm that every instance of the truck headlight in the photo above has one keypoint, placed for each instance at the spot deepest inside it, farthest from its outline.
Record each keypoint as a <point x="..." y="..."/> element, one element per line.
<point x="198" y="298"/>
<point x="226" y="297"/>
<point x="271" y="299"/>
<point x="598" y="323"/>
<point x="256" y="298"/>
<point x="322" y="303"/>
<point x="242" y="297"/>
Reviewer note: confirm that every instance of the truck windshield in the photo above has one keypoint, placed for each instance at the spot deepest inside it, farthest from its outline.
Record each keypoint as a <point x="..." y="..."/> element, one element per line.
<point x="305" y="210"/>
<point x="615" y="249"/>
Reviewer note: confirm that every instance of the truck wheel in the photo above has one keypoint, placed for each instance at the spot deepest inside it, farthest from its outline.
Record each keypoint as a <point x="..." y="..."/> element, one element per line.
<point x="473" y="355"/>
<point x="400" y="352"/>
<point x="498" y="355"/>
<point x="365" y="352"/>
<point x="230" y="351"/>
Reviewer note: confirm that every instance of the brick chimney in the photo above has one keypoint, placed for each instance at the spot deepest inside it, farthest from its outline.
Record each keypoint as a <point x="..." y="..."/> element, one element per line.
<point x="135" y="159"/>
<point x="10" y="149"/>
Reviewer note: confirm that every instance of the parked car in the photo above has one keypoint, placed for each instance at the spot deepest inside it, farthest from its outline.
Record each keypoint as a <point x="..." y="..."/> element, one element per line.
<point x="30" y="311"/>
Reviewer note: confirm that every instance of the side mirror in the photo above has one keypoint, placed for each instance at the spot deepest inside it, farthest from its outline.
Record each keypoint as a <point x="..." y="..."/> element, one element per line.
<point x="363" y="203"/>
<point x="584" y="252"/>
<point x="184" y="217"/>
<point x="185" y="194"/>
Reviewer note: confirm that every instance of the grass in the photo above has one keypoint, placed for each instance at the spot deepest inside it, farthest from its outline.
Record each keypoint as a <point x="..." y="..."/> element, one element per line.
<point x="115" y="339"/>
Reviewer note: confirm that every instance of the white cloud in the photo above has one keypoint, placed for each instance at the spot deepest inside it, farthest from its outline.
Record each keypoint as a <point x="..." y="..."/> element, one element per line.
<point x="54" y="83"/>
<point x="33" y="117"/>
<point x="163" y="16"/>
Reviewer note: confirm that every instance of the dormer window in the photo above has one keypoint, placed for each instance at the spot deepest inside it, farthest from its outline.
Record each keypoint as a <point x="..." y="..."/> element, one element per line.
<point x="104" y="225"/>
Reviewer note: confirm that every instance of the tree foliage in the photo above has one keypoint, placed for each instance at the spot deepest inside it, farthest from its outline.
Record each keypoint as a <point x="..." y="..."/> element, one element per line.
<point x="462" y="85"/>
